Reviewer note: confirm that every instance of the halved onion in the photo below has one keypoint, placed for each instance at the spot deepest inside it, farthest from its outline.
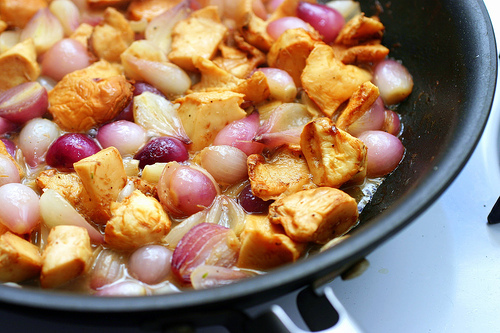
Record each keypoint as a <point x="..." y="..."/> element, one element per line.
<point x="159" y="30"/>
<point x="169" y="78"/>
<point x="240" y="134"/>
<point x="6" y="126"/>
<point x="326" y="20"/>
<point x="109" y="267"/>
<point x="392" y="123"/>
<point x="206" y="243"/>
<point x="56" y="210"/>
<point x="156" y="113"/>
<point x="208" y="276"/>
<point x="24" y="102"/>
<point x="67" y="13"/>
<point x="45" y="30"/>
<point x="226" y="164"/>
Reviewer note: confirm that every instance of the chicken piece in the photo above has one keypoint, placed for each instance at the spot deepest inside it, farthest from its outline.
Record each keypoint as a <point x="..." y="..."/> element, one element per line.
<point x="365" y="53"/>
<point x="69" y="186"/>
<point x="112" y="36"/>
<point x="145" y="186"/>
<point x="240" y="60"/>
<point x="19" y="259"/>
<point x="16" y="13"/>
<point x="89" y="97"/>
<point x="265" y="245"/>
<point x="283" y="173"/>
<point x="360" y="29"/>
<point x="315" y="215"/>
<point x="18" y="65"/>
<point x="203" y="115"/>
<point x="333" y="156"/>
<point x="137" y="220"/>
<point x="83" y="33"/>
<point x="254" y="31"/>
<point x="359" y="103"/>
<point x="103" y="177"/>
<point x="66" y="256"/>
<point x="199" y="34"/>
<point x="329" y="82"/>
<point x="214" y="78"/>
<point x="290" y="52"/>
<point x="149" y="9"/>
<point x="3" y="151"/>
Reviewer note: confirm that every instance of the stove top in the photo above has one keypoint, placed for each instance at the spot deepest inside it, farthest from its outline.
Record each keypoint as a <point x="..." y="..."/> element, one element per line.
<point x="441" y="273"/>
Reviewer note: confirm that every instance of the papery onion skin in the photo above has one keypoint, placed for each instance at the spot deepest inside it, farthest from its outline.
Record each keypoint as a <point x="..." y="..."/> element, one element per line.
<point x="24" y="102"/>
<point x="327" y="21"/>
<point x="393" y="80"/>
<point x="70" y="148"/>
<point x="21" y="210"/>
<point x="65" y="56"/>
<point x="277" y="27"/>
<point x="384" y="152"/>
<point x="35" y="138"/>
<point x="126" y="136"/>
<point x="206" y="243"/>
<point x="185" y="190"/>
<point x="226" y="164"/>
<point x="8" y="171"/>
<point x="150" y="264"/>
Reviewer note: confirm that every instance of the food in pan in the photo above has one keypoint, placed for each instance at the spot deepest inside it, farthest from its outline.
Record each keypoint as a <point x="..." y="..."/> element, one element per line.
<point x="153" y="146"/>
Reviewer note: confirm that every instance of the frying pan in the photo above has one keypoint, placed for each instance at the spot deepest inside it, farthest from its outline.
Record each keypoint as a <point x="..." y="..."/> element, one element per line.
<point x="449" y="47"/>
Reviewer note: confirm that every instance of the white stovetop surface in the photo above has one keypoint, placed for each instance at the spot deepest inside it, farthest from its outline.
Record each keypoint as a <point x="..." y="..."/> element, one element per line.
<point x="441" y="273"/>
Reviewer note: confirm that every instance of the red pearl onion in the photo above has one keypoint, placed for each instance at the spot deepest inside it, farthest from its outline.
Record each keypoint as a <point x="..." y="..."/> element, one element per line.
<point x="225" y="163"/>
<point x="65" y="56"/>
<point x="20" y="208"/>
<point x="125" y="135"/>
<point x="384" y="152"/>
<point x="6" y="126"/>
<point x="24" y="102"/>
<point x="240" y="134"/>
<point x="277" y="27"/>
<point x="393" y="80"/>
<point x="8" y="171"/>
<point x="185" y="190"/>
<point x="327" y="21"/>
<point x="150" y="264"/>
<point x="35" y="138"/>
<point x="392" y="123"/>
<point x="373" y="119"/>
<point x="280" y="83"/>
